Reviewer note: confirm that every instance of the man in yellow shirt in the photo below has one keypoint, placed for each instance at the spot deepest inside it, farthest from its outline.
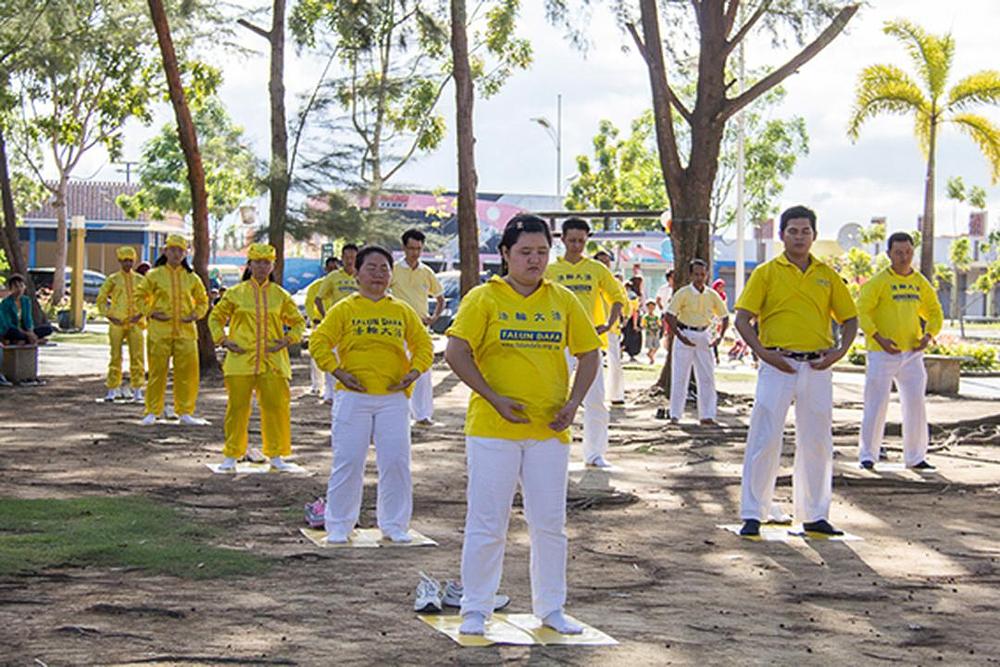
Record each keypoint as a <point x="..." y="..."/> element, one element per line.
<point x="900" y="314"/>
<point x="594" y="285"/>
<point x="691" y="314"/>
<point x="616" y="371"/>
<point x="794" y="297"/>
<point x="316" y="376"/>
<point x="337" y="284"/>
<point x="117" y="301"/>
<point x="413" y="282"/>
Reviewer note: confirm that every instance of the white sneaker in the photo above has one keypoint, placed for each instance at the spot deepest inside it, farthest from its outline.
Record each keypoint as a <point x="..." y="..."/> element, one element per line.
<point x="775" y="515"/>
<point x="126" y="393"/>
<point x="428" y="595"/>
<point x="148" y="420"/>
<point x="278" y="464"/>
<point x="473" y="623"/>
<point x="169" y="414"/>
<point x="254" y="455"/>
<point x="188" y="420"/>
<point x="112" y="395"/>
<point x="598" y="462"/>
<point x="228" y="463"/>
<point x="139" y="396"/>
<point x="453" y="592"/>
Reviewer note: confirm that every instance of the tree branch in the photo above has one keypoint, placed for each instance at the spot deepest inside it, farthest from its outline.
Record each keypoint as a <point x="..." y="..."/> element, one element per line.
<point x="838" y="24"/>
<point x="644" y="52"/>
<point x="266" y="34"/>
<point x="747" y="27"/>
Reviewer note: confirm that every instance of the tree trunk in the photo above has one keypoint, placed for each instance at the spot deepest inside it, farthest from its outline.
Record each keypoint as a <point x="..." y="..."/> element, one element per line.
<point x="279" y="176"/>
<point x="59" y="262"/>
<point x="927" y="228"/>
<point x="468" y="228"/>
<point x="196" y="172"/>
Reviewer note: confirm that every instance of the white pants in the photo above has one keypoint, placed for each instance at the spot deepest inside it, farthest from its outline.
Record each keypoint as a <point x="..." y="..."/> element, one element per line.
<point x="596" y="416"/>
<point x="812" y="477"/>
<point x="699" y="355"/>
<point x="496" y="465"/>
<point x="422" y="400"/>
<point x="616" y="374"/>
<point x="329" y="387"/>
<point x="359" y="419"/>
<point x="907" y="369"/>
<point x="316" y="380"/>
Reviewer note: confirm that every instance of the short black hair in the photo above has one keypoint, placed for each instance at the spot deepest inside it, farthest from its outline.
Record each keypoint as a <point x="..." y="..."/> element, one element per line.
<point x="368" y="250"/>
<point x="349" y="246"/>
<point x="670" y="274"/>
<point x="521" y="224"/>
<point x="898" y="237"/>
<point x="575" y="223"/>
<point x="797" y="212"/>
<point x="329" y="260"/>
<point x="697" y="262"/>
<point x="414" y="234"/>
<point x="15" y="278"/>
<point x="605" y="253"/>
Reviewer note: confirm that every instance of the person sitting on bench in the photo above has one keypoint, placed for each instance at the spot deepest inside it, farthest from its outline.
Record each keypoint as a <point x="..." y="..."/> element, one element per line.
<point x="16" y="323"/>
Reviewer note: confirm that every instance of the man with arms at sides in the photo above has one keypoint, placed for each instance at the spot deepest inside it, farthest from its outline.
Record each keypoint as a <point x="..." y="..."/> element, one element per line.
<point x="795" y="298"/>
<point x="899" y="314"/>
<point x="594" y="285"/>
<point x="337" y="284"/>
<point x="316" y="376"/>
<point x="413" y="282"/>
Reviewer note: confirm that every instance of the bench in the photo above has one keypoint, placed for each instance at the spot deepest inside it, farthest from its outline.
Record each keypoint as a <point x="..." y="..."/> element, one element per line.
<point x="20" y="362"/>
<point x="943" y="374"/>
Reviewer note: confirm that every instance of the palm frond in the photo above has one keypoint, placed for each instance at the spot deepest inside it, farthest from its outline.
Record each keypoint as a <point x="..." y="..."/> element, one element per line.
<point x="986" y="135"/>
<point x="931" y="55"/>
<point x="922" y="130"/>
<point x="979" y="88"/>
<point x="885" y="89"/>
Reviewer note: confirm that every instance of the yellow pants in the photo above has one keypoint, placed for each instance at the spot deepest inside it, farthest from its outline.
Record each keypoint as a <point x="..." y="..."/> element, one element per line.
<point x="274" y="399"/>
<point x="136" y="356"/>
<point x="184" y="352"/>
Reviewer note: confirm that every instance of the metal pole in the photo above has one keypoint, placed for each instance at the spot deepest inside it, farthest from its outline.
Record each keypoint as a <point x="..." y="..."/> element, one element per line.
<point x="740" y="182"/>
<point x="559" y="146"/>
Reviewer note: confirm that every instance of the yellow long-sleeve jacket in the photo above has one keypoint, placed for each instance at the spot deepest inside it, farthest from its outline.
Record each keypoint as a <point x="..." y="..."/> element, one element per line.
<point x="175" y="293"/>
<point x="118" y="298"/>
<point x="257" y="315"/>
<point x="894" y="306"/>
<point x="378" y="342"/>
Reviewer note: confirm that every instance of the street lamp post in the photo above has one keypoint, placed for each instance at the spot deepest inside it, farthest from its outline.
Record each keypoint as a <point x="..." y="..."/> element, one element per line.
<point x="555" y="134"/>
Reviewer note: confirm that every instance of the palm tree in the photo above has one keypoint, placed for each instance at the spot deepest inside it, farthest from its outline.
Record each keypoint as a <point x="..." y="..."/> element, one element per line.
<point x="888" y="89"/>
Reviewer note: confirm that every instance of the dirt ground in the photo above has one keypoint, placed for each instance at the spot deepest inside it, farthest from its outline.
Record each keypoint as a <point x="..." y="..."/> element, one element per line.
<point x="656" y="574"/>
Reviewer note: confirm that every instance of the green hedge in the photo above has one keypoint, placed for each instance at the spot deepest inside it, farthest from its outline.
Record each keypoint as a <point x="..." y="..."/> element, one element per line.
<point x="976" y="357"/>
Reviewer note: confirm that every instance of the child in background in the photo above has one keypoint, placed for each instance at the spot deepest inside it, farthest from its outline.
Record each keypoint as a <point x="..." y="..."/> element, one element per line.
<point x="652" y="327"/>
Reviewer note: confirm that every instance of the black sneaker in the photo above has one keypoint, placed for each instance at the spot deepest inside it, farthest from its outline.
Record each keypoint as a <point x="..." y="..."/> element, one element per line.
<point x="661" y="413"/>
<point x="822" y="526"/>
<point x="751" y="528"/>
<point x="868" y="465"/>
<point x="925" y="466"/>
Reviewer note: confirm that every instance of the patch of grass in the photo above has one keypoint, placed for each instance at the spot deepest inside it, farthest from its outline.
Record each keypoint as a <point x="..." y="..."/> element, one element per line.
<point x="114" y="532"/>
<point x="85" y="338"/>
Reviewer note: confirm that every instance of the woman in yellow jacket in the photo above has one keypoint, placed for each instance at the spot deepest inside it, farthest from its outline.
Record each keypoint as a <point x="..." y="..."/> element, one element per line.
<point x="257" y="313"/>
<point x="173" y="298"/>
<point x="382" y="347"/>
<point x="118" y="302"/>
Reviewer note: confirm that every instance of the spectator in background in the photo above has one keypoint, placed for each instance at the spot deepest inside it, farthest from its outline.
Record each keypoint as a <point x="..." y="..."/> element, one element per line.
<point x="16" y="323"/>
<point x="632" y="330"/>
<point x="313" y="318"/>
<point x="719" y="285"/>
<point x="142" y="268"/>
<point x="652" y="328"/>
<point x="616" y="374"/>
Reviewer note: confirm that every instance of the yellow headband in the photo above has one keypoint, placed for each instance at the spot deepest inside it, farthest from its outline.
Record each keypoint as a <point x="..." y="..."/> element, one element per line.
<point x="177" y="241"/>
<point x="125" y="252"/>
<point x="261" y="251"/>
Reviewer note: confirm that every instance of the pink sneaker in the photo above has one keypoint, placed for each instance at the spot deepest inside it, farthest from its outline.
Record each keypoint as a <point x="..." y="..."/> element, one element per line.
<point x="315" y="512"/>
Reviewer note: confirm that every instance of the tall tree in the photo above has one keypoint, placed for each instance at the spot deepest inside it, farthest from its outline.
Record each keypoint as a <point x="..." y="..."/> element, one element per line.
<point x="75" y="94"/>
<point x="279" y="172"/>
<point x="195" y="170"/>
<point x="468" y="180"/>
<point x="720" y="26"/>
<point x="889" y="89"/>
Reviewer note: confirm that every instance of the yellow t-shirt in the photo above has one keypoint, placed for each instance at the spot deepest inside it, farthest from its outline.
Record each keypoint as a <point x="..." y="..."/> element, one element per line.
<point x="414" y="286"/>
<point x="518" y="343"/>
<point x="893" y="306"/>
<point x="311" y="291"/>
<point x="176" y="293"/>
<point x="335" y="286"/>
<point x="256" y="316"/>
<point x="378" y="342"/>
<point x="794" y="307"/>
<point x="696" y="309"/>
<point x="118" y="298"/>
<point x="593" y="284"/>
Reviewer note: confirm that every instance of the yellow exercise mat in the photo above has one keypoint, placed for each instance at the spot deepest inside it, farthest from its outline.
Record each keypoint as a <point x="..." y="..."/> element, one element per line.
<point x="248" y="468"/>
<point x="366" y="538"/>
<point x="517" y="629"/>
<point x="783" y="533"/>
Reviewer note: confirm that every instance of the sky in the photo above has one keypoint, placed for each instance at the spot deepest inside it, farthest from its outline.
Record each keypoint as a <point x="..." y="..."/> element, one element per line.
<point x="882" y="174"/>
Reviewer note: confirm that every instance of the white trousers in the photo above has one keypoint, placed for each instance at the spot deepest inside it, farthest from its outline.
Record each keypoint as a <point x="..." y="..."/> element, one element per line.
<point x="422" y="400"/>
<point x="329" y="387"/>
<point x="596" y="417"/>
<point x="907" y="369"/>
<point x="358" y="420"/>
<point x="616" y="374"/>
<point x="812" y="477"/>
<point x="316" y="380"/>
<point x="496" y="465"/>
<point x="700" y="356"/>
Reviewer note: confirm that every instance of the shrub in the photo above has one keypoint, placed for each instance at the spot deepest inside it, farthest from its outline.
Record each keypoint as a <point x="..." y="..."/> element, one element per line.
<point x="976" y="357"/>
